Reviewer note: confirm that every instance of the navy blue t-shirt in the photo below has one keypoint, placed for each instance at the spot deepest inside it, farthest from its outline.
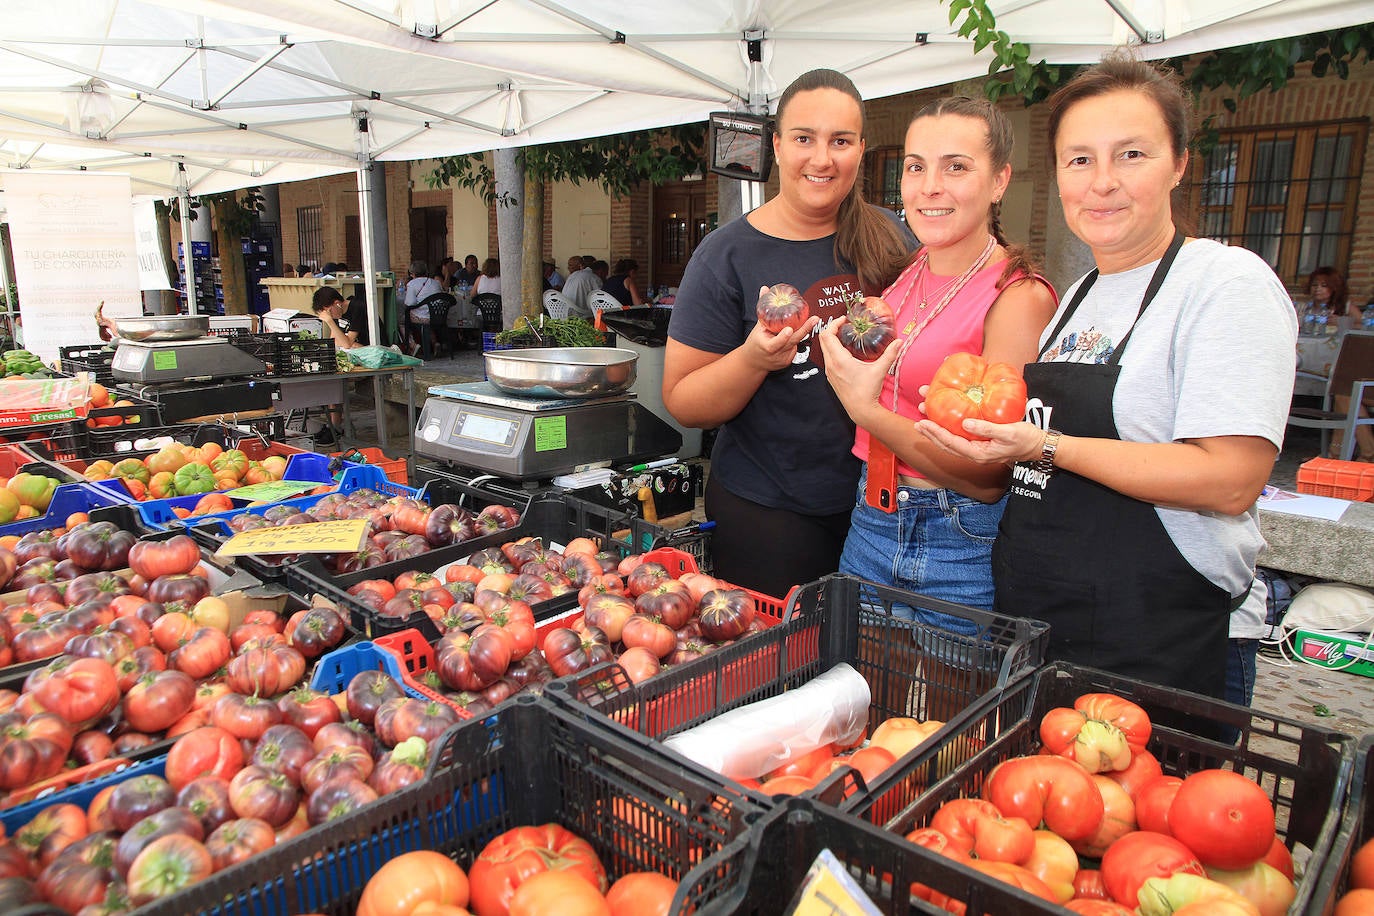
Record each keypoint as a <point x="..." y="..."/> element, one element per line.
<point x="790" y="446"/>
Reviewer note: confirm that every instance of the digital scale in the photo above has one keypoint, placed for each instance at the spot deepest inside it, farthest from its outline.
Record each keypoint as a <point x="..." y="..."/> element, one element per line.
<point x="477" y="426"/>
<point x="202" y="359"/>
<point x="192" y="378"/>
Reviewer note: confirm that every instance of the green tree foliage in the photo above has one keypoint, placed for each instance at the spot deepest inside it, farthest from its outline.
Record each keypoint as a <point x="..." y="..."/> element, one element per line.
<point x="1246" y="69"/>
<point x="617" y="162"/>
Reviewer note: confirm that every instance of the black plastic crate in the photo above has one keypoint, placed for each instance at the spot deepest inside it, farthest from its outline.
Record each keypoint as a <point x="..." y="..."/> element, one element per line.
<point x="141" y="414"/>
<point x="92" y="358"/>
<point x="528" y="763"/>
<point x="913" y="669"/>
<point x="1356" y="829"/>
<point x="1305" y="770"/>
<point x="114" y="443"/>
<point x="289" y="354"/>
<point x="553" y="518"/>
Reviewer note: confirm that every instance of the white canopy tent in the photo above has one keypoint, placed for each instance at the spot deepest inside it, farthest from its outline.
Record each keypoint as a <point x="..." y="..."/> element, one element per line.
<point x="201" y="96"/>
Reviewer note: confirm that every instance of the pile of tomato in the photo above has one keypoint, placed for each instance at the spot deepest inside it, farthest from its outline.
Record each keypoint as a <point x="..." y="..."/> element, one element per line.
<point x="544" y="870"/>
<point x="398" y="528"/>
<point x="1153" y="844"/>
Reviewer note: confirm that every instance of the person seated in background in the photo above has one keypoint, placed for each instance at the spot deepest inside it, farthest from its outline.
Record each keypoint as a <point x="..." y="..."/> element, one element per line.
<point x="490" y="280"/>
<point x="449" y="269"/>
<point x="580" y="285"/>
<point x="1327" y="290"/>
<point x="623" y="284"/>
<point x="552" y="278"/>
<point x="438" y="276"/>
<point x="469" y="273"/>
<point x="418" y="288"/>
<point x="328" y="270"/>
<point x="287" y="270"/>
<point x="574" y="265"/>
<point x="330" y="306"/>
<point x="601" y="269"/>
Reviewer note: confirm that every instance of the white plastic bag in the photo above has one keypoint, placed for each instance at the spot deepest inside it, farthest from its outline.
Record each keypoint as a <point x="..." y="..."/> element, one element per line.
<point x="755" y="739"/>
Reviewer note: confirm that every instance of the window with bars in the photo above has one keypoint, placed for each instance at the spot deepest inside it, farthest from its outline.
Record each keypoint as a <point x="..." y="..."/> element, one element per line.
<point x="310" y="237"/>
<point x="883" y="177"/>
<point x="1287" y="193"/>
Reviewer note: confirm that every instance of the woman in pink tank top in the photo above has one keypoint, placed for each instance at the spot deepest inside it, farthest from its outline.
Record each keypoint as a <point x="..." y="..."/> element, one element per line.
<point x="926" y="521"/>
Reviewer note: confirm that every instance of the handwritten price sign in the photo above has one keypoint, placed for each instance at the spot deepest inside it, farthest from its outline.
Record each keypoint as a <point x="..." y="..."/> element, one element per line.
<point x="343" y="536"/>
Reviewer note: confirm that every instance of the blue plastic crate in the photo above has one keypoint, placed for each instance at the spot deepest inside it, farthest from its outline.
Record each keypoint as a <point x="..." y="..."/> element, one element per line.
<point x="334" y="671"/>
<point x="66" y="499"/>
<point x="81" y="793"/>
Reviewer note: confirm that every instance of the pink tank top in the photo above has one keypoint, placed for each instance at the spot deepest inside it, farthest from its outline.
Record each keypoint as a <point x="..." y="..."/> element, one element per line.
<point x="957" y="329"/>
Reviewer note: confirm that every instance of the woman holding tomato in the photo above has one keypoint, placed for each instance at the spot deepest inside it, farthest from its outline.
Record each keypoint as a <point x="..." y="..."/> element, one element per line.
<point x="1157" y="406"/>
<point x="781" y="472"/>
<point x="924" y="519"/>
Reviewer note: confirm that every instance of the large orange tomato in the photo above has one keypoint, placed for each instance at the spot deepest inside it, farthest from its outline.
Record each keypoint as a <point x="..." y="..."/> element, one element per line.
<point x="1361" y="867"/>
<point x="517" y="855"/>
<point x="642" y="893"/>
<point x="967" y="387"/>
<point x="407" y="881"/>
<point x="557" y="893"/>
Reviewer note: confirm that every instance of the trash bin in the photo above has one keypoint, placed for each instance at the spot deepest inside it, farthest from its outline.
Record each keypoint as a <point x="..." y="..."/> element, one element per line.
<point x="644" y="331"/>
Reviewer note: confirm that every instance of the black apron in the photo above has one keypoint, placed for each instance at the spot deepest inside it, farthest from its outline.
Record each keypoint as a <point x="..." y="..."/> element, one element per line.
<point x="1098" y="566"/>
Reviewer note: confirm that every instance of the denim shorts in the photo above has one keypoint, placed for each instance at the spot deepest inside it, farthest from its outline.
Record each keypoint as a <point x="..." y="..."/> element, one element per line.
<point x="937" y="543"/>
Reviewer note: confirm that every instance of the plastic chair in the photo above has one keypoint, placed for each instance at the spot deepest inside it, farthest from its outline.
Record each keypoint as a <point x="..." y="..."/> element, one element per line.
<point x="556" y="304"/>
<point x="1353" y="372"/>
<point x="432" y="334"/>
<point x="489" y="305"/>
<point x="600" y="300"/>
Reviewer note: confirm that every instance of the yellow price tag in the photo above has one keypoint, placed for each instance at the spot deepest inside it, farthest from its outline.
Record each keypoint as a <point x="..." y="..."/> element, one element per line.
<point x="343" y="536"/>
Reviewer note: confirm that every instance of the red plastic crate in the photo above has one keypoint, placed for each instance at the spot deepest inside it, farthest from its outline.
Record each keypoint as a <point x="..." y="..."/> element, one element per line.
<point x="256" y="449"/>
<point x="1342" y="479"/>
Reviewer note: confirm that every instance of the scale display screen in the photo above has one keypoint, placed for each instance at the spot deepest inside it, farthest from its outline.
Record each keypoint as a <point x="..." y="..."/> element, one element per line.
<point x="484" y="428"/>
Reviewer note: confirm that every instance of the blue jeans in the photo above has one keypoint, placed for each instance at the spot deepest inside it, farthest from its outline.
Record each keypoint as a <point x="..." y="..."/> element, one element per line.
<point x="1240" y="679"/>
<point x="938" y="543"/>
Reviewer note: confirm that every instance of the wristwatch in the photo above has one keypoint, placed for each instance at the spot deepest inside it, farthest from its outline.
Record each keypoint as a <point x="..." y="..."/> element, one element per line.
<point x="1045" y="463"/>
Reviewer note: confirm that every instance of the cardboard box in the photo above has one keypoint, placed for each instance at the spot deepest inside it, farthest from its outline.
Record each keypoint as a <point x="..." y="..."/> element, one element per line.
<point x="289" y="321"/>
<point x="1335" y="651"/>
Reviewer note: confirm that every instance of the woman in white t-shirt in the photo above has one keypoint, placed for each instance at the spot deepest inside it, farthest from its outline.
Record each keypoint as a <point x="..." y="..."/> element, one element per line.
<point x="490" y="281"/>
<point x="1169" y="370"/>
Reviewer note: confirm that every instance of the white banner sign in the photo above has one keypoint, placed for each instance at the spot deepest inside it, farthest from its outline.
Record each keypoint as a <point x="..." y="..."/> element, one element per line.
<point x="152" y="266"/>
<point x="73" y="241"/>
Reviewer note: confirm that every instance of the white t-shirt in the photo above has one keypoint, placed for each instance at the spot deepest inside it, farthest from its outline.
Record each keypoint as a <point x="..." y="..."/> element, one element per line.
<point x="1213" y="355"/>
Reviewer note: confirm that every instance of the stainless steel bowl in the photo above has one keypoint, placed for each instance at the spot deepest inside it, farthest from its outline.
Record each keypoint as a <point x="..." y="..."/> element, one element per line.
<point x="166" y="327"/>
<point x="562" y="372"/>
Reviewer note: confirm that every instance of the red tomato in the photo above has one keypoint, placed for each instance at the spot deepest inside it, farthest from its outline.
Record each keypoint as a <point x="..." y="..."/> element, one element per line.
<point x="1361" y="866"/>
<point x="80" y="690"/>
<point x="1140" y="855"/>
<point x="206" y="751"/>
<point x="522" y="852"/>
<point x="177" y="555"/>
<point x="782" y="306"/>
<point x="236" y="840"/>
<point x="1054" y="862"/>
<point x="967" y="387"/>
<point x="1088" y="907"/>
<point x="1118" y="818"/>
<point x="558" y="893"/>
<point x="976" y="827"/>
<point x="1224" y="817"/>
<point x="642" y="893"/>
<point x="805" y="764"/>
<point x="157" y="699"/>
<point x="867" y="328"/>
<point x="1358" y="902"/>
<point x="168" y="864"/>
<point x="789" y="785"/>
<point x="411" y="879"/>
<point x="1152" y="801"/>
<point x="1047" y="790"/>
<point x="1143" y="768"/>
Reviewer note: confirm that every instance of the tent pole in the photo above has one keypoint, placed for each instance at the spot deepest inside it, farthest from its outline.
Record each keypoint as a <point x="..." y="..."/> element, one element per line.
<point x="187" y="258"/>
<point x="370" y="276"/>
